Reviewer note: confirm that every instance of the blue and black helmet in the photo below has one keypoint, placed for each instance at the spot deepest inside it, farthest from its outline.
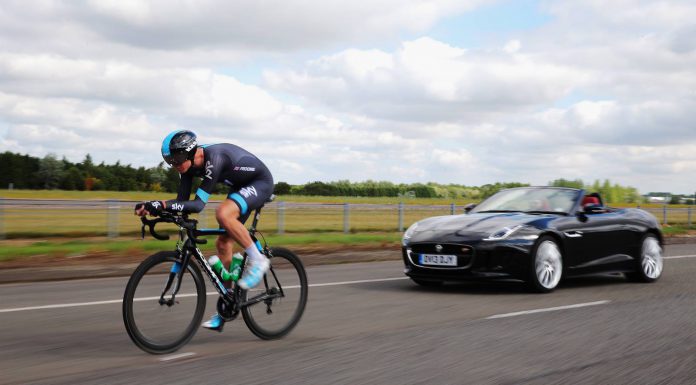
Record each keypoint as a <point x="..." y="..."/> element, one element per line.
<point x="179" y="146"/>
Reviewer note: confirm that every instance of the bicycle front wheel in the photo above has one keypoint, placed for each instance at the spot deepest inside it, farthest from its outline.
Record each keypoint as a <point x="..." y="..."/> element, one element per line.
<point x="156" y="326"/>
<point x="286" y="281"/>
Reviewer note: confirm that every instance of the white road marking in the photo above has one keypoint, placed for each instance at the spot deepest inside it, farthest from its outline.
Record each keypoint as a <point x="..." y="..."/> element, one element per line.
<point x="354" y="282"/>
<point x="680" y="256"/>
<point x="506" y="315"/>
<point x="60" y="305"/>
<point x="176" y="356"/>
<point x="77" y="304"/>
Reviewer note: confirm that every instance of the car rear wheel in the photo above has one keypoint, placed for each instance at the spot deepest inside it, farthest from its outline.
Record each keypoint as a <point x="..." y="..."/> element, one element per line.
<point x="649" y="264"/>
<point x="546" y="267"/>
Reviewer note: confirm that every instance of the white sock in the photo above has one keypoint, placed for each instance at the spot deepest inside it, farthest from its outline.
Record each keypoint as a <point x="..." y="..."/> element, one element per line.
<point x="254" y="254"/>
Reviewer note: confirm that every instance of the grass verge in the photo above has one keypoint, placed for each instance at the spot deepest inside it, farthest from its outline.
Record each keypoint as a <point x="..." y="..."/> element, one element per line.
<point x="36" y="249"/>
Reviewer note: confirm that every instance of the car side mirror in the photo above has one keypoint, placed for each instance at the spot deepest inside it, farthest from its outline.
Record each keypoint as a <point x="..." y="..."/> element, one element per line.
<point x="469" y="207"/>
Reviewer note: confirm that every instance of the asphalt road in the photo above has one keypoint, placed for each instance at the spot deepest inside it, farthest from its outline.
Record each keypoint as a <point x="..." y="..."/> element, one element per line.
<point x="382" y="330"/>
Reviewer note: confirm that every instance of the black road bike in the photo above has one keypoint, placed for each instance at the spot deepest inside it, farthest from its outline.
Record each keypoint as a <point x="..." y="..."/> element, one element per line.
<point x="165" y="297"/>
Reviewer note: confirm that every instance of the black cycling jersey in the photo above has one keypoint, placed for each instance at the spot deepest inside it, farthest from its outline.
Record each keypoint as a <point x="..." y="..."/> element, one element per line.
<point x="250" y="181"/>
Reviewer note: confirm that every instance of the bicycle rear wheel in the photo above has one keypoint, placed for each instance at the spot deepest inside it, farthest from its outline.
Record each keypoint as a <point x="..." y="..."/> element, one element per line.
<point x="274" y="318"/>
<point x="158" y="328"/>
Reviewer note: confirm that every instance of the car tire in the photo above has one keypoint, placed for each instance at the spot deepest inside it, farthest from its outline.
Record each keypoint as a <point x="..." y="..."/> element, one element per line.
<point x="545" y="265"/>
<point x="426" y="283"/>
<point x="649" y="264"/>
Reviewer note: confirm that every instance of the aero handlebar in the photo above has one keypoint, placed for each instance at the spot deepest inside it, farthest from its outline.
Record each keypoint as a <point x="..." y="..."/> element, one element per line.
<point x="166" y="217"/>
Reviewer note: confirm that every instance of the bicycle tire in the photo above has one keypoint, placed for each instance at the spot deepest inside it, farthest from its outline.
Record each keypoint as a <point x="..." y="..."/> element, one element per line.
<point x="286" y="265"/>
<point x="130" y="318"/>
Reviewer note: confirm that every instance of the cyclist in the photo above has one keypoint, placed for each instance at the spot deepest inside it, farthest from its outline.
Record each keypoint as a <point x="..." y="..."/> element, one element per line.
<point x="251" y="185"/>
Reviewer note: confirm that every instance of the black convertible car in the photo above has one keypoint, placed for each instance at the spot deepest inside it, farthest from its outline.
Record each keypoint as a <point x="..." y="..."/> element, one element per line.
<point x="536" y="234"/>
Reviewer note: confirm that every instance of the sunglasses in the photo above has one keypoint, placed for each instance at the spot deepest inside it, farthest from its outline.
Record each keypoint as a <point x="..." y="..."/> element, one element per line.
<point x="176" y="159"/>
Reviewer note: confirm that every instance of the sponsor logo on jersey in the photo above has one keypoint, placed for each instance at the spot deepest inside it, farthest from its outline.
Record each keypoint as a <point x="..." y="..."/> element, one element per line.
<point x="248" y="191"/>
<point x="178" y="207"/>
<point x="242" y="168"/>
<point x="209" y="170"/>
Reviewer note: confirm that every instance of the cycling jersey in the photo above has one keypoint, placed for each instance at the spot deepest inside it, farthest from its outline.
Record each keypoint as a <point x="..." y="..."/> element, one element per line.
<point x="250" y="181"/>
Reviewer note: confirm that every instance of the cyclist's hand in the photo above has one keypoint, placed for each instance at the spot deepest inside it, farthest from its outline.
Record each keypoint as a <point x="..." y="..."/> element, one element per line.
<point x="140" y="209"/>
<point x="154" y="207"/>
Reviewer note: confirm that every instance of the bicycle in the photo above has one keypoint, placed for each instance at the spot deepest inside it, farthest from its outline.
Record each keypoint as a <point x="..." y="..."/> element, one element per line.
<point x="165" y="297"/>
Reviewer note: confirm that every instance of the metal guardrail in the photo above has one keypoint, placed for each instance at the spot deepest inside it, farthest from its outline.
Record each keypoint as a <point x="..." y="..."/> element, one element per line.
<point x="36" y="217"/>
<point x="20" y="218"/>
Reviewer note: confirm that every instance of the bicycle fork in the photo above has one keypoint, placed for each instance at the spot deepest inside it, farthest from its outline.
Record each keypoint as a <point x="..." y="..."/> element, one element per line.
<point x="176" y="274"/>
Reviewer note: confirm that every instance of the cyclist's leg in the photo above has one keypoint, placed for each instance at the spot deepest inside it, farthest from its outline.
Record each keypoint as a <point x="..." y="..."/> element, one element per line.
<point x="228" y="215"/>
<point x="246" y="200"/>
<point x="257" y="264"/>
<point x="225" y="248"/>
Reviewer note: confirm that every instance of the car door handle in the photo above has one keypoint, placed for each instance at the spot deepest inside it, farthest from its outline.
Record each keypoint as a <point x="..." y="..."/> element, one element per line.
<point x="573" y="234"/>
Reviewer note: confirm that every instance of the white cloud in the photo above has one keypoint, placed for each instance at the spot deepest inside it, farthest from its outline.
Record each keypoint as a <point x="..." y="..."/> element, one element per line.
<point x="428" y="80"/>
<point x="603" y="90"/>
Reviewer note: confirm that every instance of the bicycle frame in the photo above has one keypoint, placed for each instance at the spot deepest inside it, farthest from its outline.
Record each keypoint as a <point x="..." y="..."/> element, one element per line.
<point x="188" y="238"/>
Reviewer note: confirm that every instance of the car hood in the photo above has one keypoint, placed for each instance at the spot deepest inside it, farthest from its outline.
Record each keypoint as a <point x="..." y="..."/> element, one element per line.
<point x="477" y="225"/>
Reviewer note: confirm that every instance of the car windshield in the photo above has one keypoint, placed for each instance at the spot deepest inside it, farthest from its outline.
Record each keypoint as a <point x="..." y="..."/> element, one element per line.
<point x="531" y="200"/>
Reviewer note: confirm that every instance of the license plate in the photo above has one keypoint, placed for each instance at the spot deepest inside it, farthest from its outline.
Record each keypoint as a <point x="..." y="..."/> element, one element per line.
<point x="438" y="260"/>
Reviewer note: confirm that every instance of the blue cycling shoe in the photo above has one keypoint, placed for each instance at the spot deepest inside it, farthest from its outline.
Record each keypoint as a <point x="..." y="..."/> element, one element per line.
<point x="254" y="274"/>
<point x="214" y="323"/>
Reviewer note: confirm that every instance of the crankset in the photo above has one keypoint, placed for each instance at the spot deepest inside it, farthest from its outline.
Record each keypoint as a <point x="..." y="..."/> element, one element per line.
<point x="227" y="311"/>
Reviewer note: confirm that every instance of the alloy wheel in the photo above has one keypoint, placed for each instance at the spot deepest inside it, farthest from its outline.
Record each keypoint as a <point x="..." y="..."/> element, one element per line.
<point x="548" y="265"/>
<point x="651" y="258"/>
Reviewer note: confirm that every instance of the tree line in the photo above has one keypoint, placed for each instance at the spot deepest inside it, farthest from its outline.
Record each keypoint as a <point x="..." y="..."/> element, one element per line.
<point x="27" y="172"/>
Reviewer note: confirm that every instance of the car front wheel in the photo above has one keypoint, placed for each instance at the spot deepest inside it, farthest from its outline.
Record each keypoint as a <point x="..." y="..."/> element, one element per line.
<point x="649" y="263"/>
<point x="546" y="267"/>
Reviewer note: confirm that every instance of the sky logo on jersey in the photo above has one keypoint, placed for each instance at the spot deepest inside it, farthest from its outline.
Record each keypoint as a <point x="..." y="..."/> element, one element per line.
<point x="243" y="168"/>
<point x="209" y="170"/>
<point x="248" y="191"/>
<point x="178" y="207"/>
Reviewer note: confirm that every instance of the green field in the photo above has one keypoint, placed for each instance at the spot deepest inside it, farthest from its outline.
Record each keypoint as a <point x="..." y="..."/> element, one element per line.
<point x="75" y="232"/>
<point x="68" y="231"/>
<point x="132" y="247"/>
<point x="45" y="221"/>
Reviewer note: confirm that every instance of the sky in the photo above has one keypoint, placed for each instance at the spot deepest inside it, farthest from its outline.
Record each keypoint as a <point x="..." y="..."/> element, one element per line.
<point x="465" y="92"/>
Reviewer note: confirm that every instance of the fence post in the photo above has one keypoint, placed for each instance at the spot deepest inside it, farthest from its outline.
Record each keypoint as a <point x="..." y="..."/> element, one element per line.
<point x="401" y="216"/>
<point x="346" y="218"/>
<point x="664" y="214"/>
<point x="2" y="219"/>
<point x="112" y="218"/>
<point x="689" y="218"/>
<point x="281" y="217"/>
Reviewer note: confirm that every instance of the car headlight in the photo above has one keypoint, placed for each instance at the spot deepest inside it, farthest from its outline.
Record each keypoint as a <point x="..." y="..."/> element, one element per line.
<point x="408" y="234"/>
<point x="516" y="232"/>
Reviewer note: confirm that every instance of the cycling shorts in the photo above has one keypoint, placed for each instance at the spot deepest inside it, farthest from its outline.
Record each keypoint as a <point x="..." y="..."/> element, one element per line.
<point x="251" y="196"/>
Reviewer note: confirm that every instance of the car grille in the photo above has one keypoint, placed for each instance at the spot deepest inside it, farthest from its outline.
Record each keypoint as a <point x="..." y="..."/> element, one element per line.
<point x="464" y="253"/>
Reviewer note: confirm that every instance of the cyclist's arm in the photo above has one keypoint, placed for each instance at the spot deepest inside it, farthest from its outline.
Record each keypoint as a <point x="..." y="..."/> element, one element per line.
<point x="202" y="195"/>
<point x="184" y="192"/>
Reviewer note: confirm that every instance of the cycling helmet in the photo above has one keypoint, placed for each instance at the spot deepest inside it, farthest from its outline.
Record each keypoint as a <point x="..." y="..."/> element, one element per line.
<point x="179" y="146"/>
